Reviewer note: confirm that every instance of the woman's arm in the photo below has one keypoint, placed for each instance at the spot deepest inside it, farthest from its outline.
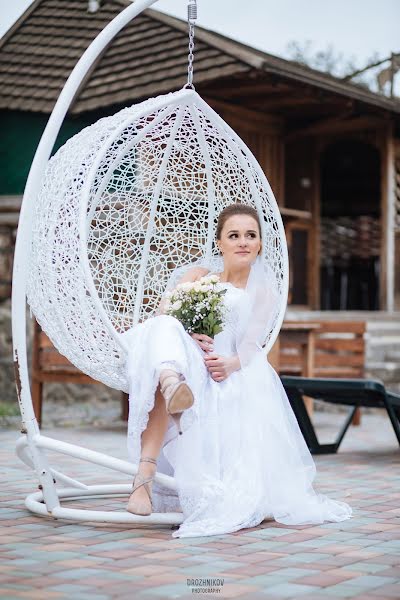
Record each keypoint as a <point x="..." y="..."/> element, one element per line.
<point x="161" y="307"/>
<point x="193" y="274"/>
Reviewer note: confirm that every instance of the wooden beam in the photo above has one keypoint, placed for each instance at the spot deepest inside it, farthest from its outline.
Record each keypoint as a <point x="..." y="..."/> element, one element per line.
<point x="295" y="213"/>
<point x="250" y="119"/>
<point x="244" y="90"/>
<point x="303" y="98"/>
<point x="339" y="124"/>
<point x="288" y="101"/>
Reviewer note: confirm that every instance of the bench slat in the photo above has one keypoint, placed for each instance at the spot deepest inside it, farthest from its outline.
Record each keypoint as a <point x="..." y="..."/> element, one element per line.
<point x="339" y="349"/>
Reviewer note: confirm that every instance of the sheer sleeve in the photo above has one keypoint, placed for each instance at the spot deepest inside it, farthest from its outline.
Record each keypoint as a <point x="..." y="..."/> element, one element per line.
<point x="173" y="281"/>
<point x="177" y="275"/>
<point x="258" y="312"/>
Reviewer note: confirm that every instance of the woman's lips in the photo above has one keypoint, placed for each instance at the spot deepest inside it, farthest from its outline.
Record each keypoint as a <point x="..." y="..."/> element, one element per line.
<point x="242" y="252"/>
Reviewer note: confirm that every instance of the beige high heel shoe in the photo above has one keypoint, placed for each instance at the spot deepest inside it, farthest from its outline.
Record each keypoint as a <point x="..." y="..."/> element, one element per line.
<point x="177" y="394"/>
<point x="138" y="508"/>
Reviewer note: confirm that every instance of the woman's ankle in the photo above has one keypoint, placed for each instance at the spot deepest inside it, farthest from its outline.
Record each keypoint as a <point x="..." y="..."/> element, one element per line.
<point x="147" y="467"/>
<point x="167" y="372"/>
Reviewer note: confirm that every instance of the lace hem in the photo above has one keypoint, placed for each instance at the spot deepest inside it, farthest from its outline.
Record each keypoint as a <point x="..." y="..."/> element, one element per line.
<point x="138" y="421"/>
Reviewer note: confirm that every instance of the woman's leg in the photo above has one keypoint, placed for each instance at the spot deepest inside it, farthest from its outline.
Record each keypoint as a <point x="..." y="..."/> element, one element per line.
<point x="165" y="350"/>
<point x="151" y="440"/>
<point x="153" y="435"/>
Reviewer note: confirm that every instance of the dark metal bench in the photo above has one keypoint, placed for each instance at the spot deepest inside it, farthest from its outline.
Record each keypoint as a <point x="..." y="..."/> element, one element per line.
<point x="350" y="392"/>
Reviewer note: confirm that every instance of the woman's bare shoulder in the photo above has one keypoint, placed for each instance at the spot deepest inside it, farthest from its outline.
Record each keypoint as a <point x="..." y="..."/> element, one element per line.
<point x="194" y="274"/>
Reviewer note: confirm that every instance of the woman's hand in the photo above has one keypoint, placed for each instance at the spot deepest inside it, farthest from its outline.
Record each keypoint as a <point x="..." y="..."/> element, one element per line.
<point x="205" y="342"/>
<point x="220" y="367"/>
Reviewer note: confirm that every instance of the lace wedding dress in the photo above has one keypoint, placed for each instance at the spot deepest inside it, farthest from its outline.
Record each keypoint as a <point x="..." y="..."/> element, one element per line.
<point x="241" y="458"/>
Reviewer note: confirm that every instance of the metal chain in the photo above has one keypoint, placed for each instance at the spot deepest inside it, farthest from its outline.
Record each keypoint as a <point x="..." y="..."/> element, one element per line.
<point x="192" y="16"/>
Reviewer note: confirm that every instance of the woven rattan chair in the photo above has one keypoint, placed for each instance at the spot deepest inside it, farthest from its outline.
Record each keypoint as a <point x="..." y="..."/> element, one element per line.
<point x="102" y="225"/>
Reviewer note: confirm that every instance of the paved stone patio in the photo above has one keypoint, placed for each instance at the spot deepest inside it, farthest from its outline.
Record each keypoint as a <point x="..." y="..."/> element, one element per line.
<point x="358" y="558"/>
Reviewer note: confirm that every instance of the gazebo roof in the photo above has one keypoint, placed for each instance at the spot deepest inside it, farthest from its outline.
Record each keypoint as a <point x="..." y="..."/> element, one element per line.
<point x="147" y="58"/>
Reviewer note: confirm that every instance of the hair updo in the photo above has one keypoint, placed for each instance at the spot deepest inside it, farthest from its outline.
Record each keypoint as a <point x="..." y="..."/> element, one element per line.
<point x="233" y="210"/>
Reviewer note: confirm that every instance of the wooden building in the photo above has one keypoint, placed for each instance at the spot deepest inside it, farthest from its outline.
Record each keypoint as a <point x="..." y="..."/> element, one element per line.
<point x="330" y="149"/>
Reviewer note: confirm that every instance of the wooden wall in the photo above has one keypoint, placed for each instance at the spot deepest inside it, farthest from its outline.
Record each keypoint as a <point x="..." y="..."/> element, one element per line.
<point x="263" y="134"/>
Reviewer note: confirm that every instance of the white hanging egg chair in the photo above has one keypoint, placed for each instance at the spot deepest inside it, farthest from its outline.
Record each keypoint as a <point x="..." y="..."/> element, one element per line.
<point x="103" y="224"/>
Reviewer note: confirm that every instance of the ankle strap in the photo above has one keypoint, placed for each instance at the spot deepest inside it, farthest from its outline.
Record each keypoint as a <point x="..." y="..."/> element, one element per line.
<point x="148" y="459"/>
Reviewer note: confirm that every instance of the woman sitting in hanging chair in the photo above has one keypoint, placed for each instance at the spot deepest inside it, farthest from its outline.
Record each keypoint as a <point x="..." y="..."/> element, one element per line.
<point x="241" y="457"/>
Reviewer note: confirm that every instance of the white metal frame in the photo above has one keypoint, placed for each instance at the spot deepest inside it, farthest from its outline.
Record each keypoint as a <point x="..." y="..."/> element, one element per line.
<point x="32" y="446"/>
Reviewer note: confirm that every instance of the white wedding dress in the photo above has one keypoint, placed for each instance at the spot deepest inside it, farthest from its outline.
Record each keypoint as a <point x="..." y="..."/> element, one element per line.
<point x="241" y="458"/>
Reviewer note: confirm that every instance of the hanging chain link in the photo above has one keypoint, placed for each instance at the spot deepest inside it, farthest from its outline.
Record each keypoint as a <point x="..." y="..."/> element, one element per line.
<point x="192" y="16"/>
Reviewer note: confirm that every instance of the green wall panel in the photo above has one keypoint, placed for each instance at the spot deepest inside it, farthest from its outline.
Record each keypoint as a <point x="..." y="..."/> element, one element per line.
<point x="20" y="135"/>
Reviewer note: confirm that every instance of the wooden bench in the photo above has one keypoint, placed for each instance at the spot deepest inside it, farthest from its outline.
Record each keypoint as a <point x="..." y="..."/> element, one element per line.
<point x="339" y="351"/>
<point x="9" y="213"/>
<point x="353" y="393"/>
<point x="49" y="366"/>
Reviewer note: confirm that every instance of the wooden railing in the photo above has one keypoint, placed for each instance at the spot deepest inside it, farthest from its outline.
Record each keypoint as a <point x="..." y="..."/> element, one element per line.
<point x="338" y="351"/>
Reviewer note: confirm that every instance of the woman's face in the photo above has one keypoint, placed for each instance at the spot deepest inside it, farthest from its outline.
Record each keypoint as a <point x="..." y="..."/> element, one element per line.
<point x="240" y="240"/>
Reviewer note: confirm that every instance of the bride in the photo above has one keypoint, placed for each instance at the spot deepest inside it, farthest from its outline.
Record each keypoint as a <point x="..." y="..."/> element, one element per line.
<point x="240" y="457"/>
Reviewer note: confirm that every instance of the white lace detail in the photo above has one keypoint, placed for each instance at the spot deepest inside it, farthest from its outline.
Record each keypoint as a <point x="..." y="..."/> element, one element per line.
<point x="224" y="342"/>
<point x="242" y="457"/>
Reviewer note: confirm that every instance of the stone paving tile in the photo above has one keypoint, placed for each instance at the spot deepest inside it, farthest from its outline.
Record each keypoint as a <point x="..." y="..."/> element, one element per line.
<point x="367" y="567"/>
<point x="286" y="590"/>
<point x="388" y="591"/>
<point x="342" y="590"/>
<point x="69" y="587"/>
<point x="371" y="581"/>
<point x="358" y="559"/>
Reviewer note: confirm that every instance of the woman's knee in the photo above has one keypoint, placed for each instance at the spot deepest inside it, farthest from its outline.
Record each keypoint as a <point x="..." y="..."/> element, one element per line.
<point x="167" y="320"/>
<point x="162" y="325"/>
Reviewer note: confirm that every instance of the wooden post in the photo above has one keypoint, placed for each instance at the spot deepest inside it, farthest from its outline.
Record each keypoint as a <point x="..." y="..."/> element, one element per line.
<point x="125" y="406"/>
<point x="273" y="355"/>
<point x="37" y="398"/>
<point x="388" y="203"/>
<point x="36" y="384"/>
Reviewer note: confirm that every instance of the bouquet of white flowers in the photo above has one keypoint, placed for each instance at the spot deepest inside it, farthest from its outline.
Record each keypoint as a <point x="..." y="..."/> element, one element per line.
<point x="198" y="305"/>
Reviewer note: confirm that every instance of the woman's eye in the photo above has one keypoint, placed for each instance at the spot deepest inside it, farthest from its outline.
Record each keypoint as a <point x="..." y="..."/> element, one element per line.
<point x="235" y="235"/>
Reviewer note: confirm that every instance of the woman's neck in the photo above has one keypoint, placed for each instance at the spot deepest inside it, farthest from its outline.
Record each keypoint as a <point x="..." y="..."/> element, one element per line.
<point x="237" y="277"/>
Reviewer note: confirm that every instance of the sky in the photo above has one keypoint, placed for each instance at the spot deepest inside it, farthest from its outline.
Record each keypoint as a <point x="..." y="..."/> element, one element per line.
<point x="355" y="28"/>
